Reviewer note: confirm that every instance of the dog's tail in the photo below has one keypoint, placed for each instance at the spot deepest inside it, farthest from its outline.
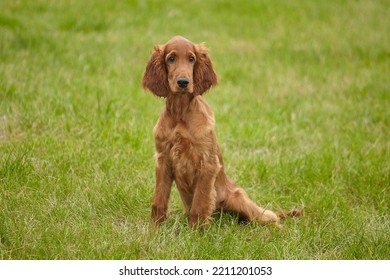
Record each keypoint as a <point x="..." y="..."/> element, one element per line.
<point x="291" y="213"/>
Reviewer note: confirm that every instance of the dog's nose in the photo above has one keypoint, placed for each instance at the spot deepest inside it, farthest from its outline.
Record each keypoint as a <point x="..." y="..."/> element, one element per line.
<point x="183" y="82"/>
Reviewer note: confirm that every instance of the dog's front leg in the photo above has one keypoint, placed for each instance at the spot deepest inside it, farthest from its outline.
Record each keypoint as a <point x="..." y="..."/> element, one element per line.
<point x="205" y="196"/>
<point x="162" y="192"/>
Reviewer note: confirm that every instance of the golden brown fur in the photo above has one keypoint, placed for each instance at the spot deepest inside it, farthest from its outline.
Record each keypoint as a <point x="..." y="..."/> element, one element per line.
<point x="186" y="145"/>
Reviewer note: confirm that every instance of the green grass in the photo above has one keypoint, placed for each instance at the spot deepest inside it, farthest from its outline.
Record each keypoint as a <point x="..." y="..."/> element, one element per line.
<point x="302" y="111"/>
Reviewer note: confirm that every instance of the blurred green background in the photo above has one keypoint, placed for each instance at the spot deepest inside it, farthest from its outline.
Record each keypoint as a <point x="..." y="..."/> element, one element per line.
<point x="302" y="113"/>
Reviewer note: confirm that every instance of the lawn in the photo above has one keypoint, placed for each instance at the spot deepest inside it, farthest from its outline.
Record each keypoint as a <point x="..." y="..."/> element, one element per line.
<point x="302" y="116"/>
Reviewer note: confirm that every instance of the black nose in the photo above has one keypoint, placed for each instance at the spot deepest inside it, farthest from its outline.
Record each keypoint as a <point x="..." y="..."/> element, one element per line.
<point x="183" y="82"/>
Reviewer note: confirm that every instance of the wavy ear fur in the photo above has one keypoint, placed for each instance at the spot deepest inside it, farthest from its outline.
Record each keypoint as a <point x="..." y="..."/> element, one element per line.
<point x="155" y="77"/>
<point x="204" y="74"/>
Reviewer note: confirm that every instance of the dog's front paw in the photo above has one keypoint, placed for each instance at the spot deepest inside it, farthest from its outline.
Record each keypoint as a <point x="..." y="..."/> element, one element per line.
<point x="157" y="216"/>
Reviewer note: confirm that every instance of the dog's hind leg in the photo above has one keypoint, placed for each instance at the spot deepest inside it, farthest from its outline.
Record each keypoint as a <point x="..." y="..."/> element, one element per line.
<point x="237" y="200"/>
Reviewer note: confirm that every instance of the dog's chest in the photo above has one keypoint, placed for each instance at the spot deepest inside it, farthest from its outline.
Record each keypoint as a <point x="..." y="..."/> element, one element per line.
<point x="187" y="142"/>
<point x="185" y="152"/>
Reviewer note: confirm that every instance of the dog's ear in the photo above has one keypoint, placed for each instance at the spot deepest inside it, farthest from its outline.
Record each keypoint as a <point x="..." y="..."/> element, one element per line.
<point x="155" y="77"/>
<point x="204" y="74"/>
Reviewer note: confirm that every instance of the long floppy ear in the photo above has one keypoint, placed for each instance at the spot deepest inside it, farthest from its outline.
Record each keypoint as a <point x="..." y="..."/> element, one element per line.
<point x="204" y="74"/>
<point x="155" y="77"/>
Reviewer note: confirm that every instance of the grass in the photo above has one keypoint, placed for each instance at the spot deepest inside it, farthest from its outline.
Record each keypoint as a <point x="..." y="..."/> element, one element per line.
<point x="302" y="113"/>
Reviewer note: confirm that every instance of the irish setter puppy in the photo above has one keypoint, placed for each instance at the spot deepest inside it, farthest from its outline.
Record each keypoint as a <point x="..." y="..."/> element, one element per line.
<point x="186" y="145"/>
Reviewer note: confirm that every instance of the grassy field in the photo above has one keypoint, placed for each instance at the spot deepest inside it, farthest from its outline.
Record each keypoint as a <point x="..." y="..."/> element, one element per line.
<point x="302" y="112"/>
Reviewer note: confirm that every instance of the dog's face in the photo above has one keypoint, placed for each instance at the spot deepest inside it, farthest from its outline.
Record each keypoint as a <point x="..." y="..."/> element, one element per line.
<point x="180" y="59"/>
<point x="179" y="67"/>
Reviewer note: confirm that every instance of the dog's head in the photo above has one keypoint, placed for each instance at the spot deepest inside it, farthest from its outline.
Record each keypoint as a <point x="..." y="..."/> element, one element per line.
<point x="179" y="67"/>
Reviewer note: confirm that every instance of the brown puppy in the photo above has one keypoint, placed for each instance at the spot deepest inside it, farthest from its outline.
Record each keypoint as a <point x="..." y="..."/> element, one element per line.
<point x="187" y="151"/>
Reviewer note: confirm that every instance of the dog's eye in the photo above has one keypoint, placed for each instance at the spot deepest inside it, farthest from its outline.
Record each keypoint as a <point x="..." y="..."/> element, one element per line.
<point x="191" y="59"/>
<point x="171" y="59"/>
